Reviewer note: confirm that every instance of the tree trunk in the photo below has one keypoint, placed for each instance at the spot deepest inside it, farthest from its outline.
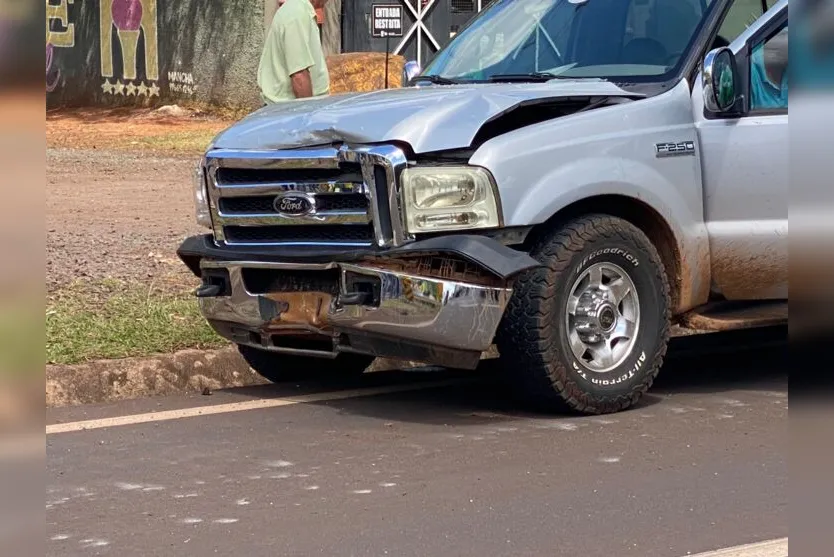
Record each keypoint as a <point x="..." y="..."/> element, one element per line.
<point x="331" y="37"/>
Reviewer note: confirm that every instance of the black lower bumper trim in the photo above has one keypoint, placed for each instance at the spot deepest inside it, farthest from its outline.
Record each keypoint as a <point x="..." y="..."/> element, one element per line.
<point x="502" y="261"/>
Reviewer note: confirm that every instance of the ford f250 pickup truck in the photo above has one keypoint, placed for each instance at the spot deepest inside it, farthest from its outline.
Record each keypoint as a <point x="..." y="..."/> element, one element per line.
<point x="566" y="181"/>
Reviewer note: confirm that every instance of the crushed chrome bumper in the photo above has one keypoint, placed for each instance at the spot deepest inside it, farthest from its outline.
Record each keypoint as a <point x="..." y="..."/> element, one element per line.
<point x="438" y="300"/>
<point x="372" y="311"/>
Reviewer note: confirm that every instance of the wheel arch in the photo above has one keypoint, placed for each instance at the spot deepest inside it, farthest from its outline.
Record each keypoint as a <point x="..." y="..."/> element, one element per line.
<point x="638" y="213"/>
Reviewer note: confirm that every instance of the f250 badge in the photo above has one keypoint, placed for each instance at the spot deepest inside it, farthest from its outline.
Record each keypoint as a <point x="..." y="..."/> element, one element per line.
<point x="294" y="205"/>
<point x="674" y="149"/>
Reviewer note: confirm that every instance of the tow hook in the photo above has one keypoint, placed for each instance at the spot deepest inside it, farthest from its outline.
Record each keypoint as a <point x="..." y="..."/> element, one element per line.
<point x="208" y="291"/>
<point x="355" y="299"/>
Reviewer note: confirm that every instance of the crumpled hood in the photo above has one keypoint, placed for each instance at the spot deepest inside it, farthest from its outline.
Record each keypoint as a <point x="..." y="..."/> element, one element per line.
<point x="429" y="119"/>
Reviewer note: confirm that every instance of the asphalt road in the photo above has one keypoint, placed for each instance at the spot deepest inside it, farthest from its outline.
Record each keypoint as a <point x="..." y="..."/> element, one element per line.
<point x="416" y="469"/>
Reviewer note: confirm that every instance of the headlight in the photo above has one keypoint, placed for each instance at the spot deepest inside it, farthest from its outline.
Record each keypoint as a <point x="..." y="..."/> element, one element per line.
<point x="201" y="205"/>
<point x="440" y="198"/>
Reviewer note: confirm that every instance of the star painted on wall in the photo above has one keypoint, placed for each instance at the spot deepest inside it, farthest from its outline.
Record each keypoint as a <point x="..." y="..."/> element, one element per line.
<point x="153" y="90"/>
<point x="131" y="89"/>
<point x="142" y="90"/>
<point x="119" y="88"/>
<point x="107" y="87"/>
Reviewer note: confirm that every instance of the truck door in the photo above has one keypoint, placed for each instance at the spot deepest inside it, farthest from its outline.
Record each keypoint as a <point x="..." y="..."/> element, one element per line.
<point x="745" y="168"/>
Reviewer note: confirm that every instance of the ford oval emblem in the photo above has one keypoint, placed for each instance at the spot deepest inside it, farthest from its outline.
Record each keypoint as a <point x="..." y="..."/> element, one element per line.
<point x="294" y="205"/>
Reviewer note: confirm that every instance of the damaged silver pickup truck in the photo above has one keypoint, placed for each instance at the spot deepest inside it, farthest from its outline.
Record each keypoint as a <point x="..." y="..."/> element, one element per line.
<point x="566" y="180"/>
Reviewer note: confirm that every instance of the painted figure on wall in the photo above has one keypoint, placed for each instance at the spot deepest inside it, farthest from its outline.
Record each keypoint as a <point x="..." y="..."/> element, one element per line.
<point x="130" y="19"/>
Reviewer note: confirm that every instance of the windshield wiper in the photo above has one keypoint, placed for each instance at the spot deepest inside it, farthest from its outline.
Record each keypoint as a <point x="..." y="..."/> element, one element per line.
<point x="532" y="76"/>
<point x="436" y="79"/>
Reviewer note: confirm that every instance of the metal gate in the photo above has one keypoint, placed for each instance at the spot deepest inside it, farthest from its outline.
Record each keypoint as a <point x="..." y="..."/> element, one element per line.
<point x="427" y="25"/>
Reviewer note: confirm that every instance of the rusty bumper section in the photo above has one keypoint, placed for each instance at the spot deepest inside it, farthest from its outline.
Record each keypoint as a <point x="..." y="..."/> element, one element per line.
<point x="331" y="308"/>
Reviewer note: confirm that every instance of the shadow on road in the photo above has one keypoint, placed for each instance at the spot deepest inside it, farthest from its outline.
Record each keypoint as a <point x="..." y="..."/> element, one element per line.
<point x="718" y="362"/>
<point x="709" y="364"/>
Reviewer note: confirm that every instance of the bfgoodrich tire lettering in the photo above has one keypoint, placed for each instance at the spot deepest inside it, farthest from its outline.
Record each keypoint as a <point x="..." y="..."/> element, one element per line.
<point x="534" y="340"/>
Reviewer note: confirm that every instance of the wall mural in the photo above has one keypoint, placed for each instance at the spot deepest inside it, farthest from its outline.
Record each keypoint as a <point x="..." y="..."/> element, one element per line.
<point x="131" y="20"/>
<point x="146" y="52"/>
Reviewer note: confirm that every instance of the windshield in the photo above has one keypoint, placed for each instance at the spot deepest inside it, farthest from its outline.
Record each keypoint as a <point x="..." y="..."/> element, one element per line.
<point x="620" y="40"/>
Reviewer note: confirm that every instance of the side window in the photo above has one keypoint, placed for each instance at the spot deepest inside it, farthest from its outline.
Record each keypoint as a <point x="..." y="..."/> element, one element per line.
<point x="741" y="14"/>
<point x="769" y="72"/>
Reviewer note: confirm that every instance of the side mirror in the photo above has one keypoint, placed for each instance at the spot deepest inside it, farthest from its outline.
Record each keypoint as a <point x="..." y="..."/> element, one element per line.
<point x="719" y="77"/>
<point x="410" y="71"/>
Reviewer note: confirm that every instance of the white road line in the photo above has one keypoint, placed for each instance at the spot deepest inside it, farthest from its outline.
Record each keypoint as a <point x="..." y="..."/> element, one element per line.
<point x="258" y="404"/>
<point x="771" y="548"/>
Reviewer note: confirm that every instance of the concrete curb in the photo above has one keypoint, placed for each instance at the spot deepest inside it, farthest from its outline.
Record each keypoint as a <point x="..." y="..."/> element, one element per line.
<point x="188" y="371"/>
<point x="192" y="371"/>
<point x="164" y="374"/>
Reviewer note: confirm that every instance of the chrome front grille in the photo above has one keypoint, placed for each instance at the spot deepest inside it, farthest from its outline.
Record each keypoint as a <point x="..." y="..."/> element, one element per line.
<point x="350" y="196"/>
<point x="263" y="205"/>
<point x="362" y="234"/>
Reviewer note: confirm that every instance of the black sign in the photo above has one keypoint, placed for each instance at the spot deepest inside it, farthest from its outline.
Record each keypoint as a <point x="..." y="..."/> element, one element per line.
<point x="387" y="20"/>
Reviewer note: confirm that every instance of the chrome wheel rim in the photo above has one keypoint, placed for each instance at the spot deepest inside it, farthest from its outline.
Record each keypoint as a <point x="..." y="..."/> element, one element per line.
<point x="602" y="317"/>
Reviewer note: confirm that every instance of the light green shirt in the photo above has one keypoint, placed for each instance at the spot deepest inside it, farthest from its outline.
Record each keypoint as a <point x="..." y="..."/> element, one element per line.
<point x="292" y="45"/>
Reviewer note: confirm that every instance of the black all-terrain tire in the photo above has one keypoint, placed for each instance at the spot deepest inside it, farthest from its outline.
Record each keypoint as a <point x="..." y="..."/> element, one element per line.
<point x="278" y="368"/>
<point x="533" y="340"/>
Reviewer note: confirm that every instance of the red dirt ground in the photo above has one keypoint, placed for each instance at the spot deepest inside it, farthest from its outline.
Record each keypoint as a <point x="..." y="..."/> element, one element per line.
<point x="116" y="209"/>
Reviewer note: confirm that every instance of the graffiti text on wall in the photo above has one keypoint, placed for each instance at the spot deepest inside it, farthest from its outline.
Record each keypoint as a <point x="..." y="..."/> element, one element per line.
<point x="181" y="82"/>
<point x="60" y="33"/>
<point x="131" y="20"/>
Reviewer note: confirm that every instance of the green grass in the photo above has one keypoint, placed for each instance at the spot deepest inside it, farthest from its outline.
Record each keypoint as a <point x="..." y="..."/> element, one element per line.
<point x="112" y="319"/>
<point x="190" y="141"/>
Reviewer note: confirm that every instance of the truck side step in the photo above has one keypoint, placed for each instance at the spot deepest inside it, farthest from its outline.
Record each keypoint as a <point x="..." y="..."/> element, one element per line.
<point x="729" y="316"/>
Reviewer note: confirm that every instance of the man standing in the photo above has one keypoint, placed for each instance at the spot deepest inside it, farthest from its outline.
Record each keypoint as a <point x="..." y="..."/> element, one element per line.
<point x="292" y="64"/>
